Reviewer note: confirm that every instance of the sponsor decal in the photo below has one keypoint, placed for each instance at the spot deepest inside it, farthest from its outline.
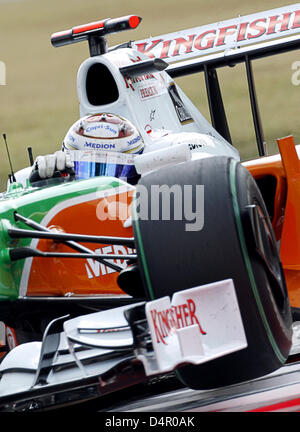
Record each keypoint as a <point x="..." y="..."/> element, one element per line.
<point x="223" y="35"/>
<point x="149" y="85"/>
<point x="195" y="146"/>
<point x="137" y="80"/>
<point x="134" y="140"/>
<point x="71" y="138"/>
<point x="99" y="146"/>
<point x="97" y="269"/>
<point x="146" y="89"/>
<point x="152" y="114"/>
<point x="148" y="129"/>
<point x="181" y="111"/>
<point x="166" y="321"/>
<point x="101" y="126"/>
<point x="148" y="92"/>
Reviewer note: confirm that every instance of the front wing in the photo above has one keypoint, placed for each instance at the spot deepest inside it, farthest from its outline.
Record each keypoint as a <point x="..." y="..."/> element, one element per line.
<point x="92" y="355"/>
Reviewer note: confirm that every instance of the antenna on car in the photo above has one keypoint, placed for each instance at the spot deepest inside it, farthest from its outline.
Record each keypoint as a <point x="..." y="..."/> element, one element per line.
<point x="30" y="155"/>
<point x="11" y="176"/>
<point x="95" y="33"/>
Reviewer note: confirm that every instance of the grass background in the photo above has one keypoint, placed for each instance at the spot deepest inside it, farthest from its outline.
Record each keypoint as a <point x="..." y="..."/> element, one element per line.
<point x="39" y="102"/>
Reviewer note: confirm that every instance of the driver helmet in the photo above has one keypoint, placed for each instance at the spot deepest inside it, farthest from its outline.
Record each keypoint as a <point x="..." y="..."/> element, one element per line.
<point x="104" y="144"/>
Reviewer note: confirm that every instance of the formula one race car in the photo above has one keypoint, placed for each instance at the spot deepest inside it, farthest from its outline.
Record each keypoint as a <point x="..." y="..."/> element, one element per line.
<point x="196" y="266"/>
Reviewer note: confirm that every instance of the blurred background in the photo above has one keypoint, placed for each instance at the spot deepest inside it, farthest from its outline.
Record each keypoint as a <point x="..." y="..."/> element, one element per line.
<point x="39" y="102"/>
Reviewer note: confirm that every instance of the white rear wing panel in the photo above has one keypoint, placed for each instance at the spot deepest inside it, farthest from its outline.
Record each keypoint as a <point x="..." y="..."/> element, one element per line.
<point x="223" y="35"/>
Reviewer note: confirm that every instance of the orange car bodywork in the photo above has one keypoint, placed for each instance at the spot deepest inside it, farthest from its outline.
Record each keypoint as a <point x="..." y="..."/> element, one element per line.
<point x="60" y="277"/>
<point x="285" y="168"/>
<point x="88" y="277"/>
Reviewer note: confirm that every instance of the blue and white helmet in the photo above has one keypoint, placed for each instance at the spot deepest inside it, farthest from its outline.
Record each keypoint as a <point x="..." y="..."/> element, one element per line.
<point x="104" y="145"/>
<point x="104" y="131"/>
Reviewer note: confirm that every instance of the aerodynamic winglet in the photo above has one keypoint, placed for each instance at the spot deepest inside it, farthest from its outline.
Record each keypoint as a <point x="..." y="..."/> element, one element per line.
<point x="95" y="32"/>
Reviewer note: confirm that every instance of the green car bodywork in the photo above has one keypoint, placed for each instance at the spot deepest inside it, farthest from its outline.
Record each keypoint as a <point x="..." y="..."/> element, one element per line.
<point x="34" y="203"/>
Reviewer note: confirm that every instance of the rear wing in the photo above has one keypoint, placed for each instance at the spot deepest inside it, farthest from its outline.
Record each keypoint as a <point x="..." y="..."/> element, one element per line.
<point x="227" y="43"/>
<point x="202" y="49"/>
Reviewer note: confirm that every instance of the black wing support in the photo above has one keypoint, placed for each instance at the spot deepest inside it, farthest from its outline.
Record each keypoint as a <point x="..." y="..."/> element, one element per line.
<point x="209" y="65"/>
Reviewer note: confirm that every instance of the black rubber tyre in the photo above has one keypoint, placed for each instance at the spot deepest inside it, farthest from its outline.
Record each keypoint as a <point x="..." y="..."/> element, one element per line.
<point x="172" y="259"/>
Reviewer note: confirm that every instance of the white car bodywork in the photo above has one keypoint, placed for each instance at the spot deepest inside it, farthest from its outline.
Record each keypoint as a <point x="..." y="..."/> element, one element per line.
<point x="92" y="344"/>
<point x="173" y="131"/>
<point x="160" y="110"/>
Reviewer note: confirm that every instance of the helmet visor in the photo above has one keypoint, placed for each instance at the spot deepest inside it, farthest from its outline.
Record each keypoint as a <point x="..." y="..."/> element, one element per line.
<point x="89" y="164"/>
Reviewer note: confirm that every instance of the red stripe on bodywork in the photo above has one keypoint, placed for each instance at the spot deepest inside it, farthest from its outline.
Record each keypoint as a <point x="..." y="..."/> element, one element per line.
<point x="87" y="27"/>
<point x="278" y="406"/>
